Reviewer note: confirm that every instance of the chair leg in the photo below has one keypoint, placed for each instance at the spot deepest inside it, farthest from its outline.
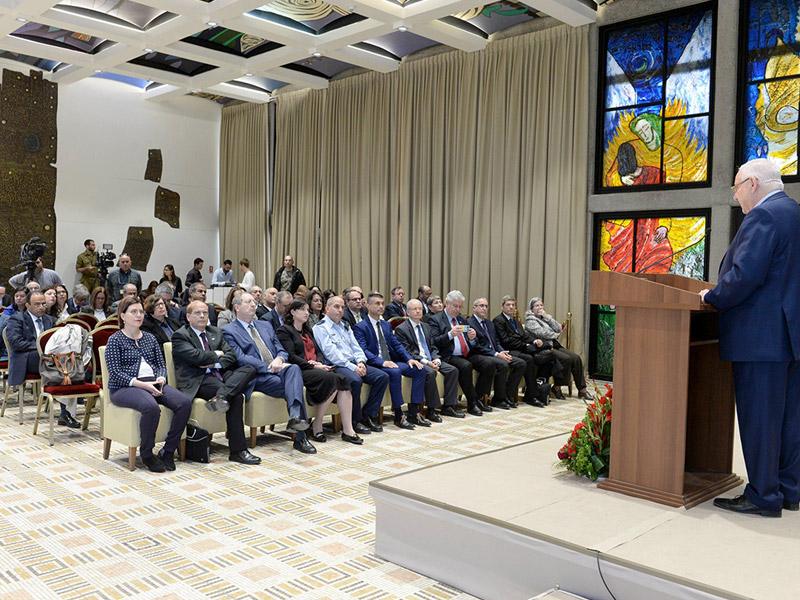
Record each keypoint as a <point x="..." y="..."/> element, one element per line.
<point x="337" y="423"/>
<point x="182" y="449"/>
<point x="106" y="447"/>
<point x="87" y="411"/>
<point x="5" y="399"/>
<point x="20" y="397"/>
<point x="38" y="413"/>
<point x="263" y="429"/>
<point x="253" y="436"/>
<point x="52" y="409"/>
<point x="132" y="458"/>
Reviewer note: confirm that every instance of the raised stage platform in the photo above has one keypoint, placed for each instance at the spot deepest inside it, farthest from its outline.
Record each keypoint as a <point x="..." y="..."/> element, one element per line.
<point x="509" y="525"/>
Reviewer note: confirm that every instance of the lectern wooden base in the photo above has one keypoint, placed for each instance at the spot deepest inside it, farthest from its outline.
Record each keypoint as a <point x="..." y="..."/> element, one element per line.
<point x="698" y="487"/>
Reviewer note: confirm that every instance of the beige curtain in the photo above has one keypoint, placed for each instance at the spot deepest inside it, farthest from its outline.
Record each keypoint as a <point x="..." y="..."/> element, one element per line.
<point x="243" y="184"/>
<point x="531" y="173"/>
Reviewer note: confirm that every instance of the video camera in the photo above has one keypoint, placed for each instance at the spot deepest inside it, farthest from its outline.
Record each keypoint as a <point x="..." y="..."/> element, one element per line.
<point x="29" y="253"/>
<point x="104" y="261"/>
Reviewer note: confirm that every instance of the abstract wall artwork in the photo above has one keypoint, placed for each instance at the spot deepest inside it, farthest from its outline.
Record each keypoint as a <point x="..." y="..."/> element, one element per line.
<point x="168" y="207"/>
<point x="28" y="106"/>
<point x="770" y="72"/>
<point x="155" y="165"/>
<point x="652" y="243"/>
<point x="139" y="245"/>
<point x="655" y="101"/>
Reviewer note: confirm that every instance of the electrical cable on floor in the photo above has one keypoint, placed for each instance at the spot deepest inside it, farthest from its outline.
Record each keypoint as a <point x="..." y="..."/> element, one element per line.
<point x="599" y="570"/>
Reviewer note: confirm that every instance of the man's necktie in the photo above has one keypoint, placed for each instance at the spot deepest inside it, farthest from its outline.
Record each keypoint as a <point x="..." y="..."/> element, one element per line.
<point x="266" y="355"/>
<point x="214" y="371"/>
<point x="462" y="342"/>
<point x="382" y="341"/>
<point x="423" y="342"/>
<point x="486" y="331"/>
<point x="39" y="326"/>
<point x="514" y="324"/>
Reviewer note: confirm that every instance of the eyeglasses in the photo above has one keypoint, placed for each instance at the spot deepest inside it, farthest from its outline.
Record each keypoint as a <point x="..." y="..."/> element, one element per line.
<point x="734" y="188"/>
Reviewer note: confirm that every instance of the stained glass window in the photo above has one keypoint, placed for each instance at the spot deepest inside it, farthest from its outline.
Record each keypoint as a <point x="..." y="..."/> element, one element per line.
<point x="671" y="242"/>
<point x="770" y="94"/>
<point x="655" y="112"/>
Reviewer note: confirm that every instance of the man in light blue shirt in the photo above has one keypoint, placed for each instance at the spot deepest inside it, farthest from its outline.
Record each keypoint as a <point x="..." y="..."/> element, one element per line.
<point x="339" y="345"/>
<point x="223" y="276"/>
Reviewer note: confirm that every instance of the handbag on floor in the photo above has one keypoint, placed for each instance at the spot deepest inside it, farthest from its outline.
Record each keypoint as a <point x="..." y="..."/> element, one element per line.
<point x="198" y="444"/>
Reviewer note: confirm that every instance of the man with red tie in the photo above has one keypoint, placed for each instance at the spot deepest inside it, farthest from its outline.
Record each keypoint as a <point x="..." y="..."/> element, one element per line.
<point x="457" y="346"/>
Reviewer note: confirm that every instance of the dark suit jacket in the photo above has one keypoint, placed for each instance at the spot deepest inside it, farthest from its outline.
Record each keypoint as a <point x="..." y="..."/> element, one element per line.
<point x="298" y="279"/>
<point x="72" y="309"/>
<point x="21" y="335"/>
<point x="366" y="338"/>
<point x="290" y="339"/>
<point x="406" y="336"/>
<point x="758" y="289"/>
<point x="394" y="309"/>
<point x="273" y="318"/>
<point x="150" y="325"/>
<point x="511" y="339"/>
<point x="261" y="310"/>
<point x="189" y="356"/>
<point x="441" y="326"/>
<point x="348" y="316"/>
<point x="212" y="315"/>
<point x="483" y="346"/>
<point x="245" y="348"/>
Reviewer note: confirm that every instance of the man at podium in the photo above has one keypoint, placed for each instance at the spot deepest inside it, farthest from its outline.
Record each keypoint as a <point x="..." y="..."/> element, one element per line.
<point x="758" y="299"/>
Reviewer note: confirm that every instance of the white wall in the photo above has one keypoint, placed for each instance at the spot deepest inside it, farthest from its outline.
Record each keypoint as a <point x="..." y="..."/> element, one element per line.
<point x="105" y="129"/>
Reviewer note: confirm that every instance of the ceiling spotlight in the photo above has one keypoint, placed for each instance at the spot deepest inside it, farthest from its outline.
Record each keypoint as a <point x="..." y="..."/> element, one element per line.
<point x="316" y="54"/>
<point x="98" y="70"/>
<point x="195" y="91"/>
<point x="248" y="74"/>
<point x="211" y="23"/>
<point x="148" y="50"/>
<point x="402" y="28"/>
<point x="22" y="19"/>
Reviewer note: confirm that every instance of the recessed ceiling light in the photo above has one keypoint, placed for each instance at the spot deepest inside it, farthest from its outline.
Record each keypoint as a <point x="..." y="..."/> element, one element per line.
<point x="402" y="28"/>
<point x="22" y="19"/>
<point x="195" y="91"/>
<point x="98" y="70"/>
<point x="211" y="23"/>
<point x="317" y="54"/>
<point x="248" y="74"/>
<point x="148" y="50"/>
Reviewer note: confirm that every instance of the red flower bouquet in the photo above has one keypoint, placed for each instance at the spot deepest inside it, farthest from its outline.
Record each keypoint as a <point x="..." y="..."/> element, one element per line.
<point x="587" y="451"/>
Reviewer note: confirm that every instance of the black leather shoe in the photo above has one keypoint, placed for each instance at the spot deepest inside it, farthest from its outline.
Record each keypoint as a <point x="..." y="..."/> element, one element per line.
<point x="217" y="404"/>
<point x="482" y="407"/>
<point x="244" y="457"/>
<point x="740" y="504"/>
<point x="168" y="458"/>
<point x="371" y="424"/>
<point x="512" y="404"/>
<point x="555" y="392"/>
<point x="432" y="416"/>
<point x="403" y="423"/>
<point x="419" y="420"/>
<point x="474" y="410"/>
<point x="353" y="439"/>
<point x="359" y="427"/>
<point x="319" y="437"/>
<point x="69" y="421"/>
<point x="503" y="404"/>
<point x="297" y="425"/>
<point x="791" y="505"/>
<point x="154" y="464"/>
<point x="535" y="403"/>
<point x="450" y="411"/>
<point x="304" y="446"/>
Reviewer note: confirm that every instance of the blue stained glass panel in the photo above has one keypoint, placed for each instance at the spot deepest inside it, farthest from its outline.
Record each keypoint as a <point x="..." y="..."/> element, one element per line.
<point x="689" y="62"/>
<point x="639" y="52"/>
<point x="771" y="32"/>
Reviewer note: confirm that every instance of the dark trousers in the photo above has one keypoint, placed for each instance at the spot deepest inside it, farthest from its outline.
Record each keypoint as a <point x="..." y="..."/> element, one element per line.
<point x="487" y="367"/>
<point x="531" y="371"/>
<point x="396" y="385"/>
<point x="147" y="404"/>
<point x="286" y="383"/>
<point x="465" y="377"/>
<point x="232" y="388"/>
<point x="450" y="375"/>
<point x="572" y="364"/>
<point x="375" y="378"/>
<point x="768" y="408"/>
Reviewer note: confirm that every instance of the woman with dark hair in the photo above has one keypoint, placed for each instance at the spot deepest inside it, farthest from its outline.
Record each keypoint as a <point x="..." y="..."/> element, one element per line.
<point x="169" y="275"/>
<point x="98" y="304"/>
<point x="323" y="384"/>
<point x="156" y="321"/>
<point x="544" y="327"/>
<point x="326" y="295"/>
<point x="228" y="316"/>
<point x="150" y="289"/>
<point x="137" y="379"/>
<point x="60" y="310"/>
<point x="316" y="302"/>
<point x="50" y="298"/>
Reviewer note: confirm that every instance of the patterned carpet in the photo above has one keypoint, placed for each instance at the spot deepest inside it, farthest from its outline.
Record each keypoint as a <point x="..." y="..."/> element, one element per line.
<point x="75" y="526"/>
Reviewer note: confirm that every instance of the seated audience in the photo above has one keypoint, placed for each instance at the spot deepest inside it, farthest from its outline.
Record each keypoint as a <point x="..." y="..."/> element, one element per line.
<point x="544" y="327"/>
<point x="33" y="286"/>
<point x="255" y="344"/>
<point x="150" y="289"/>
<point x="228" y="316"/>
<point x="5" y="298"/>
<point x="435" y="306"/>
<point x="17" y="306"/>
<point x="197" y="291"/>
<point x="121" y="276"/>
<point x="249" y="278"/>
<point x="50" y="298"/>
<point x="325" y="296"/>
<point x="195" y="274"/>
<point x="44" y="277"/>
<point x="128" y="291"/>
<point x="395" y="308"/>
<point x="354" y="311"/>
<point x="522" y="344"/>
<point x="169" y="275"/>
<point x="269" y="298"/>
<point x="289" y="277"/>
<point x="80" y="296"/>
<point x="423" y="293"/>
<point x="60" y="310"/>
<point x="98" y="304"/>
<point x="137" y="376"/>
<point x="457" y="345"/>
<point x="302" y="292"/>
<point x="340" y="348"/>
<point x="205" y="366"/>
<point x="383" y="351"/>
<point x="167" y="294"/>
<point x="224" y="275"/>
<point x="275" y="316"/>
<point x="508" y="369"/>
<point x="157" y="322"/>
<point x="314" y="300"/>
<point x="322" y="383"/>
<point x="261" y="310"/>
<point x="417" y="338"/>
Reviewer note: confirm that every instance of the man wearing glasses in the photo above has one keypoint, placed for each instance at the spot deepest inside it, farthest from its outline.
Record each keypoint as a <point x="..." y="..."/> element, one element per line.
<point x="757" y="294"/>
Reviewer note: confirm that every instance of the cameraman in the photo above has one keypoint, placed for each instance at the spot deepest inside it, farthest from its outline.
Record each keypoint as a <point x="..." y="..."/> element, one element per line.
<point x="86" y="265"/>
<point x="44" y="277"/>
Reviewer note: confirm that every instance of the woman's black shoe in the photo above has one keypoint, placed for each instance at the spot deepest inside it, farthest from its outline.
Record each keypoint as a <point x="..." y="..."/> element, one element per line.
<point x="319" y="437"/>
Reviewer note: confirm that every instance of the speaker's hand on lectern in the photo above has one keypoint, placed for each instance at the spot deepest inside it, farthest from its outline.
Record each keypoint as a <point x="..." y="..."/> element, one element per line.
<point x="702" y="294"/>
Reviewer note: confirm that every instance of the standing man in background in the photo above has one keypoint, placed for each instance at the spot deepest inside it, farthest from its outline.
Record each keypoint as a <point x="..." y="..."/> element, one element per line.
<point x="195" y="274"/>
<point x="86" y="265"/>
<point x="289" y="277"/>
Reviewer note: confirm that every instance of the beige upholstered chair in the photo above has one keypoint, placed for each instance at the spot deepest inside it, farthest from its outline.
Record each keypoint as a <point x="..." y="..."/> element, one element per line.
<point x="34" y="380"/>
<point x="121" y="425"/>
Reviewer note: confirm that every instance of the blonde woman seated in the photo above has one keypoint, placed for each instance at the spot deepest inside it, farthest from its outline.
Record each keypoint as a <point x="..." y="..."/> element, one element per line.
<point x="544" y="327"/>
<point x="322" y="383"/>
<point x="227" y="316"/>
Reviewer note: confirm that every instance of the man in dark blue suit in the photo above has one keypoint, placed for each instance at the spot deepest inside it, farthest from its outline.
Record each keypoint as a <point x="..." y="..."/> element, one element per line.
<point x="354" y="312"/>
<point x="508" y="369"/>
<point x="396" y="308"/>
<point x="386" y="353"/>
<point x="275" y="316"/>
<point x="22" y="331"/>
<point x="255" y="344"/>
<point x="758" y="299"/>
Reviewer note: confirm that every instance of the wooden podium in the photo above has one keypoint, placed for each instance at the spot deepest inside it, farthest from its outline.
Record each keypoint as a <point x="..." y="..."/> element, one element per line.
<point x="673" y="409"/>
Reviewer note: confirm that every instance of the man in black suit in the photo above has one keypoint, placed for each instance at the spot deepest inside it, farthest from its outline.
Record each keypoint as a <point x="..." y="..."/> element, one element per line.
<point x="521" y="344"/>
<point x="508" y="369"/>
<point x="354" y="312"/>
<point x="195" y="274"/>
<point x="197" y="291"/>
<point x="396" y="308"/>
<point x="205" y="366"/>
<point x="417" y="338"/>
<point x="423" y="293"/>
<point x="275" y="316"/>
<point x="5" y="298"/>
<point x="456" y="342"/>
<point x="261" y="310"/>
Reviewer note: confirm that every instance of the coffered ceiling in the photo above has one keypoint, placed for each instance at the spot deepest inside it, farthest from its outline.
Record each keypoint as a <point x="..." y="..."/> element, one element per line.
<point x="247" y="49"/>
